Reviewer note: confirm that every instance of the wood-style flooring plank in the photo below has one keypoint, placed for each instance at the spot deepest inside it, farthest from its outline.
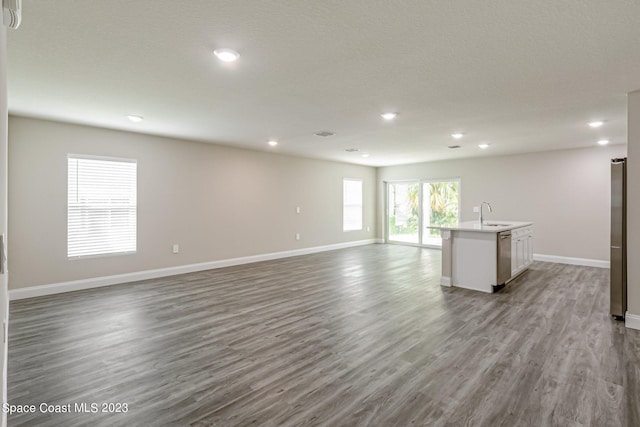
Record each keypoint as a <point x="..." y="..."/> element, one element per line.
<point x="353" y="337"/>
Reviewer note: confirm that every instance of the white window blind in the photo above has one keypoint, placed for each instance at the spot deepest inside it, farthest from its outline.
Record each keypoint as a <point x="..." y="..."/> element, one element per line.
<point x="352" y="205"/>
<point x="101" y="206"/>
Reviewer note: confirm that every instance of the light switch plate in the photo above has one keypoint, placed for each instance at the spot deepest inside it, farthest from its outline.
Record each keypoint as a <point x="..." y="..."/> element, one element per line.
<point x="476" y="209"/>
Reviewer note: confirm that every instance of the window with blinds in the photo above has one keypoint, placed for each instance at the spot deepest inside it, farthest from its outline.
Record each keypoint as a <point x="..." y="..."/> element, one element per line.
<point x="351" y="204"/>
<point x="101" y="206"/>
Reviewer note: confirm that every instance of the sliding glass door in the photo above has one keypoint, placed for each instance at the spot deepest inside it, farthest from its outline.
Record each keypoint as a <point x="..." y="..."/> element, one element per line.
<point x="440" y="206"/>
<point x="414" y="206"/>
<point x="403" y="209"/>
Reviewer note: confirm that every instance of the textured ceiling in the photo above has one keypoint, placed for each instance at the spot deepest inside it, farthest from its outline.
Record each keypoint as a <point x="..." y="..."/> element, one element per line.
<point x="520" y="75"/>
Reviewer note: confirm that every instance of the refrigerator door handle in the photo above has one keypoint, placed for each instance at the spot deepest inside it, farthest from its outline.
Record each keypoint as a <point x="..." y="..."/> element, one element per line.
<point x="615" y="247"/>
<point x="3" y="255"/>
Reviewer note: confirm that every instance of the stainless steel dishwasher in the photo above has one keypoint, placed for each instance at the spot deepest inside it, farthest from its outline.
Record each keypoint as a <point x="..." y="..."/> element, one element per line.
<point x="504" y="257"/>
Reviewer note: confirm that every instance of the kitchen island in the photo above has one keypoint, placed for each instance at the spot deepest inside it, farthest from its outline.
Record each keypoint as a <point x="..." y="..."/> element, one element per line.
<point x="485" y="256"/>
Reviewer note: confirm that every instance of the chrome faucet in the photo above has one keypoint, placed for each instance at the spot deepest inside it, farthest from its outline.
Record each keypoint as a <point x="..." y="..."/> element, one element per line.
<point x="490" y="210"/>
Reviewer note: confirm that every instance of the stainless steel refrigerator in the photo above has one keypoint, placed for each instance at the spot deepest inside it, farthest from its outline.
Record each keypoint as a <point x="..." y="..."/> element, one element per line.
<point x="618" y="286"/>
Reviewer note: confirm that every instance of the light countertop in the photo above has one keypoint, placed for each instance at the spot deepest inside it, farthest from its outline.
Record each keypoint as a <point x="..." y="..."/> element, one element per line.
<point x="493" y="226"/>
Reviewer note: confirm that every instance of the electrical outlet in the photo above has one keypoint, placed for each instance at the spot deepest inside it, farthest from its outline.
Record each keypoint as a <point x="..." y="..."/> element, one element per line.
<point x="297" y="236"/>
<point x="176" y="248"/>
<point x="297" y="209"/>
<point x="368" y="229"/>
<point x="476" y="209"/>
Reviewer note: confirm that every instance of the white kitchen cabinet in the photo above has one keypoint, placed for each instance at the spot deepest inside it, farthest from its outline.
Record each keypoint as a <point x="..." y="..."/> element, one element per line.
<point x="521" y="249"/>
<point x="514" y="255"/>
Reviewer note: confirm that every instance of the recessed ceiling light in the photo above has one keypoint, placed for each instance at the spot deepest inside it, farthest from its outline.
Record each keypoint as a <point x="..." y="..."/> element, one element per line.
<point x="365" y="154"/>
<point x="457" y="135"/>
<point x="272" y="143"/>
<point x="483" y="146"/>
<point x="603" y="142"/>
<point x="226" y="55"/>
<point x="135" y="119"/>
<point x="389" y="116"/>
<point x="351" y="150"/>
<point x="596" y="124"/>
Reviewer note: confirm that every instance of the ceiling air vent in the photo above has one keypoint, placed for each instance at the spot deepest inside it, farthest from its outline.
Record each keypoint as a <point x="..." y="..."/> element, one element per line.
<point x="454" y="146"/>
<point x="324" y="133"/>
<point x="351" y="150"/>
<point x="12" y="13"/>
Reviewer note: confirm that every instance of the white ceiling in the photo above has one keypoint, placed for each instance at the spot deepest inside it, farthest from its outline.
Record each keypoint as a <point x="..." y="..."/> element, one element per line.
<point x="521" y="75"/>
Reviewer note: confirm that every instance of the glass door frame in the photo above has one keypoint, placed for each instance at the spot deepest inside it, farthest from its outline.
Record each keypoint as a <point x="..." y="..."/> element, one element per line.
<point x="420" y="183"/>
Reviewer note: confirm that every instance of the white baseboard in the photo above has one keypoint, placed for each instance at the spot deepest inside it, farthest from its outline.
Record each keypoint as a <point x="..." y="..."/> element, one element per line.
<point x="573" y="261"/>
<point x="96" y="282"/>
<point x="446" y="281"/>
<point x="632" y="321"/>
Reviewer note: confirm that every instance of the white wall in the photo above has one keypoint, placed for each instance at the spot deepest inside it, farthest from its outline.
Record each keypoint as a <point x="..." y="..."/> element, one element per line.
<point x="566" y="193"/>
<point x="216" y="202"/>
<point x="633" y="211"/>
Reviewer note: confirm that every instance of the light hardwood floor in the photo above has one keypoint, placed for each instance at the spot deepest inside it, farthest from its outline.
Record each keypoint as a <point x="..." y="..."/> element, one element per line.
<point x="360" y="336"/>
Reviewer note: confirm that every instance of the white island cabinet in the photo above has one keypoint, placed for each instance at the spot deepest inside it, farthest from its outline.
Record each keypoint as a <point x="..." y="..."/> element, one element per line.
<point x="476" y="256"/>
<point x="521" y="249"/>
